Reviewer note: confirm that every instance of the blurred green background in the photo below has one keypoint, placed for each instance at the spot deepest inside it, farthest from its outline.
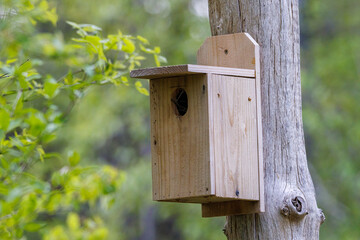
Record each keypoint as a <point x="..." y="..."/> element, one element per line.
<point x="111" y="125"/>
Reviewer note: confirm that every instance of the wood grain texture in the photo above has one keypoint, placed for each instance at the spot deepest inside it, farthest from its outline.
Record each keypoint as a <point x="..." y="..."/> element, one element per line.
<point x="259" y="124"/>
<point x="180" y="144"/>
<point x="209" y="154"/>
<point x="275" y="26"/>
<point x="231" y="51"/>
<point x="189" y="69"/>
<point x="233" y="140"/>
<point x="235" y="44"/>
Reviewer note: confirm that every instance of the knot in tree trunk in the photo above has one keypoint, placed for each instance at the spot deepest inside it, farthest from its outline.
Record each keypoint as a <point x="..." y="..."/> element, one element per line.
<point x="294" y="207"/>
<point x="322" y="216"/>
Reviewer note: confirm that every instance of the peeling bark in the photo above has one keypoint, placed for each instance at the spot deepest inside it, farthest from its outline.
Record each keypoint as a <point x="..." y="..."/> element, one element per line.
<point x="291" y="208"/>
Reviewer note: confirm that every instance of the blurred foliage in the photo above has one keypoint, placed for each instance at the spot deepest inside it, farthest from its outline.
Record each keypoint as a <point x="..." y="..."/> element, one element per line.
<point x="179" y="27"/>
<point x="331" y="92"/>
<point x="34" y="104"/>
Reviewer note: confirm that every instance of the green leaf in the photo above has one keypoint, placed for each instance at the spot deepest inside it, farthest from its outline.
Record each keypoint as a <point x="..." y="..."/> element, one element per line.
<point x="14" y="194"/>
<point x="101" y="54"/>
<point x="74" y="158"/>
<point x="94" y="40"/>
<point x="4" y="163"/>
<point x="139" y="58"/>
<point x="41" y="152"/>
<point x="57" y="233"/>
<point x="141" y="89"/>
<point x="18" y="103"/>
<point x="33" y="227"/>
<point x="90" y="28"/>
<point x="37" y="123"/>
<point x="4" y="119"/>
<point x="51" y="88"/>
<point x="99" y="234"/>
<point x="23" y="83"/>
<point x="74" y="25"/>
<point x="54" y="202"/>
<point x="2" y="134"/>
<point x="14" y="123"/>
<point x="73" y="221"/>
<point x="2" y="101"/>
<point x="69" y="78"/>
<point x="57" y="179"/>
<point x="48" y="14"/>
<point x="128" y="46"/>
<point x="156" y="59"/>
<point x="162" y="59"/>
<point x="146" y="50"/>
<point x="10" y="61"/>
<point x="80" y="31"/>
<point x="143" y="40"/>
<point x="125" y="81"/>
<point x="52" y="16"/>
<point x="157" y="50"/>
<point x="119" y="65"/>
<point x="89" y="70"/>
<point x="26" y="66"/>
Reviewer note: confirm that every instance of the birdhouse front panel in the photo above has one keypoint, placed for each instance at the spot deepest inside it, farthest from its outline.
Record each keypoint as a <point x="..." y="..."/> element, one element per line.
<point x="233" y="136"/>
<point x="180" y="137"/>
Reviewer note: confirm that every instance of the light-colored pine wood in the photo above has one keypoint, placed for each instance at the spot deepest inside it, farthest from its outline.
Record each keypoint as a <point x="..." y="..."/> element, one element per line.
<point x="239" y="50"/>
<point x="233" y="140"/>
<point x="259" y="124"/>
<point x="180" y="145"/>
<point x="169" y="71"/>
<point x="211" y="154"/>
<point x="231" y="51"/>
<point x="202" y="199"/>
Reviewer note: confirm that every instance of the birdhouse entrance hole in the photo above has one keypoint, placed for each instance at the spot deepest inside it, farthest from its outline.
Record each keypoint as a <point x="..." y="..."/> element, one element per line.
<point x="179" y="101"/>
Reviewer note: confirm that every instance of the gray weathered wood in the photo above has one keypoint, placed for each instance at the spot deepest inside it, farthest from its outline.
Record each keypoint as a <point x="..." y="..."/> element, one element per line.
<point x="291" y="208"/>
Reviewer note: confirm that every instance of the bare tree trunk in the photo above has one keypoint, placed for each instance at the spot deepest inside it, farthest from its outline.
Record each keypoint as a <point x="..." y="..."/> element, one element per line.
<point x="291" y="209"/>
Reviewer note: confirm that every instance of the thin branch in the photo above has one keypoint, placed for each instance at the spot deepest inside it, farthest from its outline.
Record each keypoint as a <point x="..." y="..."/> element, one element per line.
<point x="25" y="62"/>
<point x="63" y="77"/>
<point x="6" y="216"/>
<point x="5" y="75"/>
<point x="20" y="90"/>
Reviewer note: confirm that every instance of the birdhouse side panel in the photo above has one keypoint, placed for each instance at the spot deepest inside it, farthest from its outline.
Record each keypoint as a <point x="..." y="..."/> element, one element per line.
<point x="234" y="136"/>
<point x="180" y="137"/>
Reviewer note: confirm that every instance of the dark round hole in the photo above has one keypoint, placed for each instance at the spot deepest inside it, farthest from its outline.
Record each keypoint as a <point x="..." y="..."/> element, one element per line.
<point x="179" y="102"/>
<point x="226" y="51"/>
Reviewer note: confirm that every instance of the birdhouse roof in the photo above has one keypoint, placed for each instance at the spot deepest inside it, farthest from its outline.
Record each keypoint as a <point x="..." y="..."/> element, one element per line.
<point x="188" y="69"/>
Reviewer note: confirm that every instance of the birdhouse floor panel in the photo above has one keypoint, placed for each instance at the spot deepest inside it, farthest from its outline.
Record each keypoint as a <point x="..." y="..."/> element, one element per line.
<point x="216" y="209"/>
<point x="203" y="199"/>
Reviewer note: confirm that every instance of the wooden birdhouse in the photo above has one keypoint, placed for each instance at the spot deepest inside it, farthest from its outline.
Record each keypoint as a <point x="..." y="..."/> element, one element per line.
<point x="206" y="135"/>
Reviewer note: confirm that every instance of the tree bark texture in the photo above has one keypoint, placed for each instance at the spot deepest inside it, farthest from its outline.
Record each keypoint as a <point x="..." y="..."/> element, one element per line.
<point x="291" y="208"/>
